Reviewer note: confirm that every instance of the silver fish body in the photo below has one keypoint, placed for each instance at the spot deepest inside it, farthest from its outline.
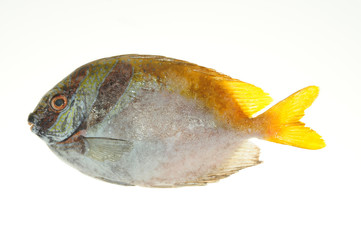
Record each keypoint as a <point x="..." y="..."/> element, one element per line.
<point x="156" y="121"/>
<point x="168" y="141"/>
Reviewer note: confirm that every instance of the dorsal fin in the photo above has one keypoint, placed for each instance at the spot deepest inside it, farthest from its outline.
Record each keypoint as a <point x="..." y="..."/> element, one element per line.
<point x="250" y="98"/>
<point x="247" y="155"/>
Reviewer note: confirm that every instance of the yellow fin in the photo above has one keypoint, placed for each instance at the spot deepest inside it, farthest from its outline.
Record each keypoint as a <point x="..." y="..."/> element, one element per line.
<point x="250" y="98"/>
<point x="283" y="125"/>
<point x="247" y="155"/>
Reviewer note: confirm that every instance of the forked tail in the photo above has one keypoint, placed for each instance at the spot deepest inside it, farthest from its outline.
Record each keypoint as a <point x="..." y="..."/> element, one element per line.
<point x="282" y="125"/>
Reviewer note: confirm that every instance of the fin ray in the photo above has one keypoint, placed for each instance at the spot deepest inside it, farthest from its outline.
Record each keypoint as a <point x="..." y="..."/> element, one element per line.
<point x="102" y="149"/>
<point x="247" y="155"/>
<point x="283" y="125"/>
<point x="250" y="98"/>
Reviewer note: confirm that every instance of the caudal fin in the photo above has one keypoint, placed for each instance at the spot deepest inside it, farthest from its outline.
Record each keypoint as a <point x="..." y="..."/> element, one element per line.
<point x="282" y="123"/>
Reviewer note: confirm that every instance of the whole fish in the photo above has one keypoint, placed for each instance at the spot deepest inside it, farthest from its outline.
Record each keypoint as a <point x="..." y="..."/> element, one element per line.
<point x="160" y="122"/>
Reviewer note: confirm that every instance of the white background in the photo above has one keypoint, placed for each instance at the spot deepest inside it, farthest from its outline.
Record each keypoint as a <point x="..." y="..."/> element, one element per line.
<point x="281" y="46"/>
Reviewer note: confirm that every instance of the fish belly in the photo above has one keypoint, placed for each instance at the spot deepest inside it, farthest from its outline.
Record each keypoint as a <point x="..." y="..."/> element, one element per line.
<point x="175" y="141"/>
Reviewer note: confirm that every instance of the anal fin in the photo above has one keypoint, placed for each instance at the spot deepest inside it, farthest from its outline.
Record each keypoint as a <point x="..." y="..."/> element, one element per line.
<point x="247" y="155"/>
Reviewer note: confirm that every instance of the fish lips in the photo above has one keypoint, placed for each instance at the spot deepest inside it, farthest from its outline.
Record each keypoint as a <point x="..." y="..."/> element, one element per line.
<point x="33" y="121"/>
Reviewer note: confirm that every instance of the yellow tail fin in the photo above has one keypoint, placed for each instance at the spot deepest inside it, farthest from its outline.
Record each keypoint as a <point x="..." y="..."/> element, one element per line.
<point x="282" y="123"/>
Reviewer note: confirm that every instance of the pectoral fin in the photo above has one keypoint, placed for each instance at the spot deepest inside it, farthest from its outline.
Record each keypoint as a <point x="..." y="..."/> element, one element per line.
<point x="109" y="149"/>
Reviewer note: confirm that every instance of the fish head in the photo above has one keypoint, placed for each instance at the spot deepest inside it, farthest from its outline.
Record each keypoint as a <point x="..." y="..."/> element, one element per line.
<point x="46" y="115"/>
<point x="64" y="108"/>
<point x="86" y="94"/>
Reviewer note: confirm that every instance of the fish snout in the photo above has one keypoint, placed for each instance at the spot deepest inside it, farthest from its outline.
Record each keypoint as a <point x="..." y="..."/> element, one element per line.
<point x="32" y="119"/>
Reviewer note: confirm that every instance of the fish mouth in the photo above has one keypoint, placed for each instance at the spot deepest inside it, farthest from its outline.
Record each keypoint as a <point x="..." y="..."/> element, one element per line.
<point x="32" y="120"/>
<point x="34" y="123"/>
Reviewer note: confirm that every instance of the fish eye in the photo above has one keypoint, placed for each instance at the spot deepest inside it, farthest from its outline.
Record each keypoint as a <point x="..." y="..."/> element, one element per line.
<point x="58" y="102"/>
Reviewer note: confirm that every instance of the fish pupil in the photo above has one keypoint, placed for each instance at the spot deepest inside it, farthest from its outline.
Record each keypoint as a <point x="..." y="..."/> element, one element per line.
<point x="59" y="102"/>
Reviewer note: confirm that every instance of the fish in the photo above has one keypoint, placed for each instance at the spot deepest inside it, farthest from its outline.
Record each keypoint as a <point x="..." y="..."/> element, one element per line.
<point x="155" y="121"/>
